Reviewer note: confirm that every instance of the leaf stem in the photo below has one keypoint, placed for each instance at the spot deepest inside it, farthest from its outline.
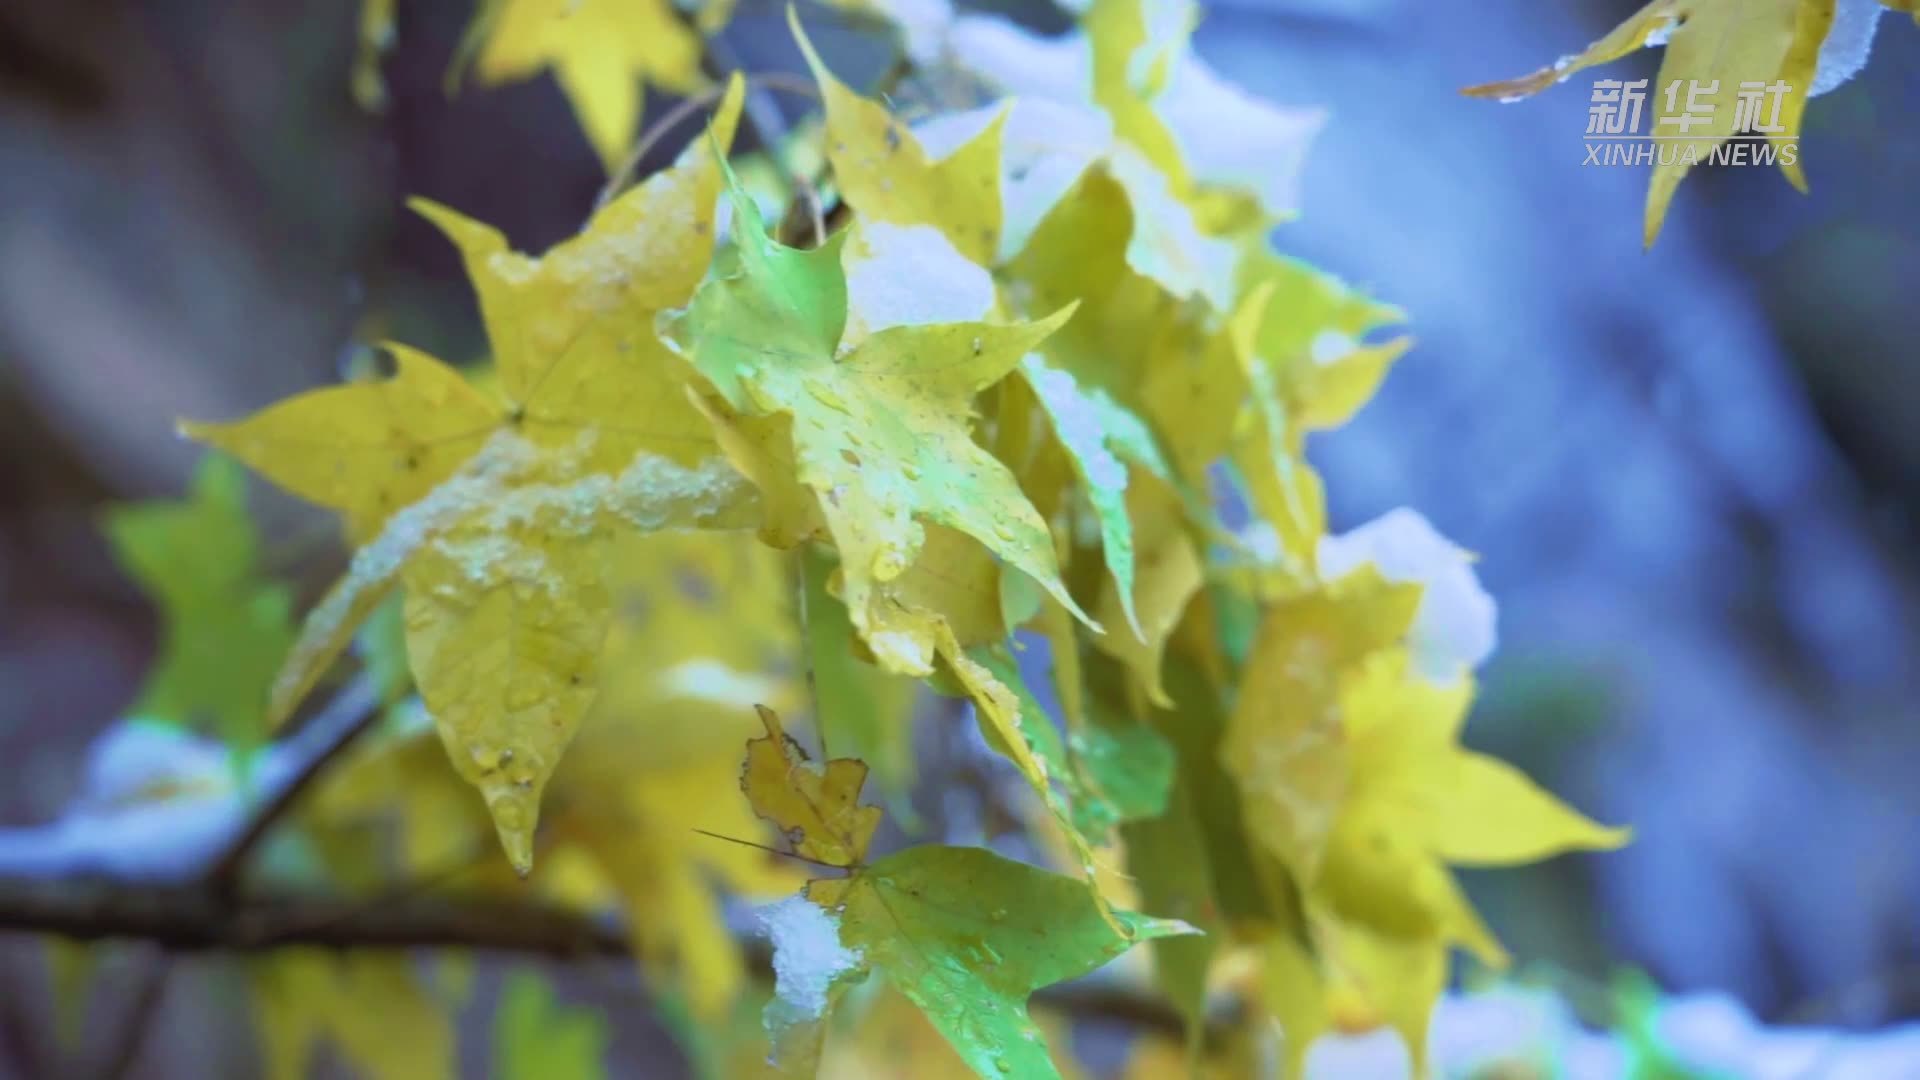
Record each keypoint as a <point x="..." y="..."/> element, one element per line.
<point x="624" y="177"/>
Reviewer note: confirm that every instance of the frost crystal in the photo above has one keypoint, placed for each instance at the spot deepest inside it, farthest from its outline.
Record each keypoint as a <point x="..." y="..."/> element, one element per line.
<point x="1454" y="631"/>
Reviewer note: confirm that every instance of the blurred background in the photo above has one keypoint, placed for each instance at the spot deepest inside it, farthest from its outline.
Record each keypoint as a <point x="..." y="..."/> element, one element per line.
<point x="1692" y="473"/>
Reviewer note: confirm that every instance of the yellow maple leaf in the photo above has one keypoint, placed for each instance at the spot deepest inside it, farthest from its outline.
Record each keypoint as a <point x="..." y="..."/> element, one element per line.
<point x="1714" y="48"/>
<point x="369" y="1006"/>
<point x="630" y="818"/>
<point x="1417" y="800"/>
<point x="1309" y="337"/>
<point x="600" y="51"/>
<point x="1284" y="742"/>
<point x="816" y="807"/>
<point x="498" y="514"/>
<point x="885" y="174"/>
<point x="1368" y="800"/>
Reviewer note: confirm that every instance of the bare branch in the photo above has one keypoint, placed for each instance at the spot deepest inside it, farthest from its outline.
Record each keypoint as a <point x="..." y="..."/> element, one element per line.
<point x="188" y="919"/>
<point x="316" y="745"/>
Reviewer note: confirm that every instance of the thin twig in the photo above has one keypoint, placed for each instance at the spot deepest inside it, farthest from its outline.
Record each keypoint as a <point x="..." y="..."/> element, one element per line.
<point x="762" y="112"/>
<point x="331" y="731"/>
<point x="133" y="1028"/>
<point x="623" y="177"/>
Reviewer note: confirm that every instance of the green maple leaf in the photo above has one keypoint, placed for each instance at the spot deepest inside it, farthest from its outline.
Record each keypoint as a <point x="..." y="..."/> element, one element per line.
<point x="879" y="422"/>
<point x="968" y="936"/>
<point x="225" y="627"/>
<point x="536" y="1036"/>
<point x="1101" y="438"/>
<point x="965" y="934"/>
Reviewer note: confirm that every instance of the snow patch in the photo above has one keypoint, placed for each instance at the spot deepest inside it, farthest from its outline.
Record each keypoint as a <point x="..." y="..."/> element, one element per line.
<point x="909" y="275"/>
<point x="807" y="959"/>
<point x="1454" y="630"/>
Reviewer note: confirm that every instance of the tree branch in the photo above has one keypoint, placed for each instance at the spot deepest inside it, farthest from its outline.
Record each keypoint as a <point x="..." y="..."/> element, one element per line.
<point x="187" y="919"/>
<point x="316" y="745"/>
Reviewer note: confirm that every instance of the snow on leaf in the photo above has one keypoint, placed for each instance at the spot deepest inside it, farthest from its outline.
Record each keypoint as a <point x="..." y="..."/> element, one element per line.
<point x="809" y="966"/>
<point x="965" y="934"/>
<point x="1046" y="145"/>
<point x="1168" y="244"/>
<point x="1453" y="631"/>
<point x="1717" y="43"/>
<point x="1229" y="138"/>
<point x="1127" y="329"/>
<point x="1133" y="59"/>
<point x="888" y="268"/>
<point x="1844" y="54"/>
<point x="498" y="515"/>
